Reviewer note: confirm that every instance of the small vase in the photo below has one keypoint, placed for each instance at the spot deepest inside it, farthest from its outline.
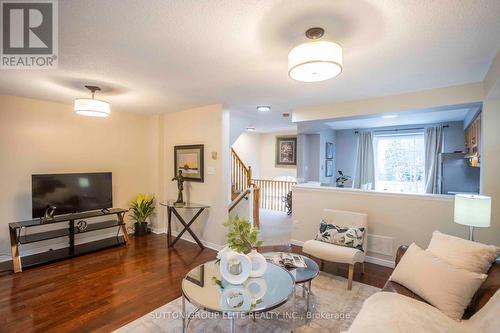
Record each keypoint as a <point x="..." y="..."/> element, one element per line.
<point x="235" y="267"/>
<point x="259" y="263"/>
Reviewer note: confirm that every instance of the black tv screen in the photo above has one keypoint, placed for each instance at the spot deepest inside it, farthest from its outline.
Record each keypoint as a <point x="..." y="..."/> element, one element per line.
<point x="71" y="192"/>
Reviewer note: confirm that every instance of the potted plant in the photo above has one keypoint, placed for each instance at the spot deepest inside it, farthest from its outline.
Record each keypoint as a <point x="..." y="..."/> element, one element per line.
<point x="242" y="237"/>
<point x="140" y="210"/>
<point x="342" y="179"/>
<point x="239" y="259"/>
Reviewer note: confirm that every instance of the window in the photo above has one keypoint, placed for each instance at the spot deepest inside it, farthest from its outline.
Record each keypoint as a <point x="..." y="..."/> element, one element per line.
<point x="399" y="162"/>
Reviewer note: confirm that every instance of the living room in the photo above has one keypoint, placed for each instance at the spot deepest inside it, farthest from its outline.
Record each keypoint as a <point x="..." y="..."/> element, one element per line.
<point x="123" y="207"/>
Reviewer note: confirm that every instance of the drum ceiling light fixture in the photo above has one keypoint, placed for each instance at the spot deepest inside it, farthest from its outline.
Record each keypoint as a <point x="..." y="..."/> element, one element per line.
<point x="316" y="60"/>
<point x="90" y="106"/>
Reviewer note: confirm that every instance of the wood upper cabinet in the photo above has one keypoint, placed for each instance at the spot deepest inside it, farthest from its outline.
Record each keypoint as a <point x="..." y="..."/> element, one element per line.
<point x="473" y="140"/>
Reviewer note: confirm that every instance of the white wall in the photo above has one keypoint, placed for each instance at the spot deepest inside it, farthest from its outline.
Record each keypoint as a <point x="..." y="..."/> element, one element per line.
<point x="208" y="125"/>
<point x="345" y="152"/>
<point x="302" y="157"/>
<point x="44" y="137"/>
<point x="324" y="137"/>
<point x="313" y="157"/>
<point x="405" y="218"/>
<point x="238" y="121"/>
<point x="258" y="150"/>
<point x="424" y="99"/>
<point x="490" y="162"/>
<point x="248" y="146"/>
<point x="268" y="167"/>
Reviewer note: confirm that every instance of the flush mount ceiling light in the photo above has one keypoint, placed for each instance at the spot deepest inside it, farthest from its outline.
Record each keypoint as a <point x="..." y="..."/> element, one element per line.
<point x="389" y="116"/>
<point x="250" y="128"/>
<point x="264" y="108"/>
<point x="316" y="60"/>
<point x="90" y="106"/>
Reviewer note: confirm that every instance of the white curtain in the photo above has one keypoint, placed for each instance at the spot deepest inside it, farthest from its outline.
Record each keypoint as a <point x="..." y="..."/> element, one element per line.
<point x="365" y="162"/>
<point x="433" y="147"/>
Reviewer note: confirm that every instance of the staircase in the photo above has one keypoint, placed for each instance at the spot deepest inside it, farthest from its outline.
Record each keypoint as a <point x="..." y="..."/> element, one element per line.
<point x="242" y="186"/>
<point x="267" y="193"/>
<point x="241" y="175"/>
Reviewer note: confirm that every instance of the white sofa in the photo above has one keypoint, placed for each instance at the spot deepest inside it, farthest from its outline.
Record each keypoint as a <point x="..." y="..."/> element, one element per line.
<point x="391" y="312"/>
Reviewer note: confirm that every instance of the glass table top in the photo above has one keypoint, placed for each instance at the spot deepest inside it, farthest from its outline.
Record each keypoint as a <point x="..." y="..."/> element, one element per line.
<point x="204" y="288"/>
<point x="187" y="205"/>
<point x="300" y="274"/>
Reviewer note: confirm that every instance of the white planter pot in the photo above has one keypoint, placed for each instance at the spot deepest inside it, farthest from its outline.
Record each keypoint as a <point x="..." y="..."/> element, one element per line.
<point x="259" y="264"/>
<point x="235" y="267"/>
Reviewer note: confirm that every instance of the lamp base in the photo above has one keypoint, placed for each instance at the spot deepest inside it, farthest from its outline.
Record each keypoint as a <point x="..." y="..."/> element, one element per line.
<point x="471" y="233"/>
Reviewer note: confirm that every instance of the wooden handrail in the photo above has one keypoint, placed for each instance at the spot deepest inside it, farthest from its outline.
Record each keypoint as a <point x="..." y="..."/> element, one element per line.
<point x="256" y="207"/>
<point x="238" y="158"/>
<point x="237" y="200"/>
<point x="274" y="181"/>
<point x="241" y="175"/>
<point x="272" y="193"/>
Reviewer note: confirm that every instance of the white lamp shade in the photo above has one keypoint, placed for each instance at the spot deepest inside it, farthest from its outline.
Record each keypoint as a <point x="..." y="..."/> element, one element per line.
<point x="472" y="210"/>
<point x="92" y="107"/>
<point x="315" y="61"/>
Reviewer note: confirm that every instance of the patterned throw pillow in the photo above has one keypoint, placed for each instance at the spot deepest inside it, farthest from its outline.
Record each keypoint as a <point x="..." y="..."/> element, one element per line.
<point x="343" y="236"/>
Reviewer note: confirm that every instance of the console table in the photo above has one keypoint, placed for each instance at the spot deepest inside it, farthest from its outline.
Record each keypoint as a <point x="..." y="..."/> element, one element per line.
<point x="21" y="233"/>
<point x="172" y="208"/>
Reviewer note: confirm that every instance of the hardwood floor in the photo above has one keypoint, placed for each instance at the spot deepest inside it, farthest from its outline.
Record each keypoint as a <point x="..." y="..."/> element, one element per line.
<point x="102" y="291"/>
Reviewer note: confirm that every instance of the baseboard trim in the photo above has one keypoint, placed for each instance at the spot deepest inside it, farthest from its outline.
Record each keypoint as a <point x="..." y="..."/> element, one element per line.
<point x="210" y="245"/>
<point x="5" y="258"/>
<point x="370" y="259"/>
<point x="157" y="231"/>
<point x="381" y="262"/>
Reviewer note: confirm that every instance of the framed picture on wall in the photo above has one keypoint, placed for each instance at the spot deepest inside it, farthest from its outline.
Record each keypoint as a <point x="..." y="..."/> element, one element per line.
<point x="329" y="150"/>
<point x="189" y="159"/>
<point x="286" y="151"/>
<point x="329" y="168"/>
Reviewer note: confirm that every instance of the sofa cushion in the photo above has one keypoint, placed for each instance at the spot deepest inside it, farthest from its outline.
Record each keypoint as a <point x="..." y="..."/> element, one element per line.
<point x="333" y="253"/>
<point x="462" y="253"/>
<point x="487" y="319"/>
<point x="390" y="312"/>
<point x="342" y="236"/>
<point x="448" y="288"/>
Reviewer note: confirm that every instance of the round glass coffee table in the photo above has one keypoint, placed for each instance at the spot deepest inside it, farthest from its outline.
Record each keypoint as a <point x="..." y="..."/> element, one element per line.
<point x="204" y="288"/>
<point x="302" y="276"/>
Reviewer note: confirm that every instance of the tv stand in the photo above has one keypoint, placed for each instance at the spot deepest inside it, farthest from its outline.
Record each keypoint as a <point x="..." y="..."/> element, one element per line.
<point x="19" y="235"/>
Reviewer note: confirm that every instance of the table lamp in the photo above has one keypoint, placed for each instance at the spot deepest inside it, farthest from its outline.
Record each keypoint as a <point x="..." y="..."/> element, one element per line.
<point x="472" y="211"/>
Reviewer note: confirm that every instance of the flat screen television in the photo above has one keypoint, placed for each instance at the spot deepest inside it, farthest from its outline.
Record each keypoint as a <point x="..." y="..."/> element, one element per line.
<point x="71" y="192"/>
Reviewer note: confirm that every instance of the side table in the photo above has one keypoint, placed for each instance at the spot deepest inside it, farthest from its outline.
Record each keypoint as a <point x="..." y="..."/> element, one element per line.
<point x="172" y="208"/>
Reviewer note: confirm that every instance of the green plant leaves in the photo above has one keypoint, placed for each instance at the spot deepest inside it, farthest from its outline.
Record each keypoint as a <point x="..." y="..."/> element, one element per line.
<point x="142" y="208"/>
<point x="242" y="237"/>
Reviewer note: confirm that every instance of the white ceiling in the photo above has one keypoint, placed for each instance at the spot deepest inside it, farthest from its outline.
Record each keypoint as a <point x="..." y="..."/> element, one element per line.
<point x="265" y="122"/>
<point x="420" y="117"/>
<point x="161" y="56"/>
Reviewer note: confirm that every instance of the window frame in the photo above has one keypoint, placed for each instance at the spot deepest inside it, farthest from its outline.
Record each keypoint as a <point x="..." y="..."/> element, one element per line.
<point x="398" y="133"/>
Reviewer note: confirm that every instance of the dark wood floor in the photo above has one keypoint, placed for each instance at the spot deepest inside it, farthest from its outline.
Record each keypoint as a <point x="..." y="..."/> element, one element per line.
<point x="105" y="290"/>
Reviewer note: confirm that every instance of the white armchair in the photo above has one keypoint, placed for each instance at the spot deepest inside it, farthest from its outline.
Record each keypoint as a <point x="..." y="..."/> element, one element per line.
<point x="336" y="253"/>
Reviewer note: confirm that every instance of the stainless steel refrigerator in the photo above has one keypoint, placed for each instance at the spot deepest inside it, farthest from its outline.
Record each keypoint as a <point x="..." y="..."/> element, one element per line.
<point x="457" y="176"/>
